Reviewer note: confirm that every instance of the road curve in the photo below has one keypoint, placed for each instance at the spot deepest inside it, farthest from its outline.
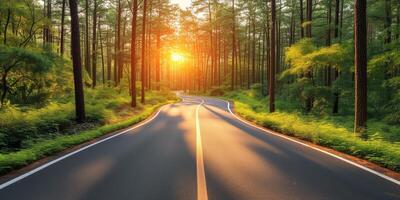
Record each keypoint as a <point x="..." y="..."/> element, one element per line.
<point x="197" y="149"/>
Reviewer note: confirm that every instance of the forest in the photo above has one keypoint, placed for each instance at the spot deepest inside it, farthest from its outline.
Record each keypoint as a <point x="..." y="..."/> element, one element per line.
<point x="326" y="71"/>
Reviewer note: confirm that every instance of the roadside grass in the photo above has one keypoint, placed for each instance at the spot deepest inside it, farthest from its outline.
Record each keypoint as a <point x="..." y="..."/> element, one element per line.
<point x="51" y="129"/>
<point x="382" y="146"/>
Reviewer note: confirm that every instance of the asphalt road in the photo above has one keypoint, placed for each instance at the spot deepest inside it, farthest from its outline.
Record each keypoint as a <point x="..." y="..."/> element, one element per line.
<point x="197" y="149"/>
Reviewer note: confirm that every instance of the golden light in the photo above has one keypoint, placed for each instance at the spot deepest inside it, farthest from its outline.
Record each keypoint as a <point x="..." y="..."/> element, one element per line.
<point x="177" y="57"/>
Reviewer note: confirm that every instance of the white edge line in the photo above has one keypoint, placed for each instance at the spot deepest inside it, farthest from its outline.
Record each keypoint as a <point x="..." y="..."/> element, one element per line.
<point x="317" y="149"/>
<point x="16" y="179"/>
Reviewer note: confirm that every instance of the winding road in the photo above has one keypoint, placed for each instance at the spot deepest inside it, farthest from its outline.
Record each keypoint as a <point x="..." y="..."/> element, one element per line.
<point x="197" y="149"/>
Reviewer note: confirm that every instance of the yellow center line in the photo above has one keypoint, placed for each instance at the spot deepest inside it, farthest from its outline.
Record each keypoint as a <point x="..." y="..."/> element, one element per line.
<point x="201" y="177"/>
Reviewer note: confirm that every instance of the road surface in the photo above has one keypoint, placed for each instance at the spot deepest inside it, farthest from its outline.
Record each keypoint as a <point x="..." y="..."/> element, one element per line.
<point x="197" y="149"/>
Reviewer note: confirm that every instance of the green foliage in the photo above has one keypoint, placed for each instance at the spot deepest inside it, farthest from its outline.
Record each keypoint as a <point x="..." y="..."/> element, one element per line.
<point x="26" y="136"/>
<point x="304" y="57"/>
<point x="382" y="147"/>
<point x="384" y="84"/>
<point x="26" y="73"/>
<point x="19" y="127"/>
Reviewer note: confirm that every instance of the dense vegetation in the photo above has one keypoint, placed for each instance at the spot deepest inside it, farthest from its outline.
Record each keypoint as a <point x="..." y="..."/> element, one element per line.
<point x="67" y="66"/>
<point x="335" y="132"/>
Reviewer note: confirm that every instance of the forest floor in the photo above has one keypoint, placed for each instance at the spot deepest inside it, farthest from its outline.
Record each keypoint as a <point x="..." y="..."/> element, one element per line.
<point x="381" y="147"/>
<point x="29" y="134"/>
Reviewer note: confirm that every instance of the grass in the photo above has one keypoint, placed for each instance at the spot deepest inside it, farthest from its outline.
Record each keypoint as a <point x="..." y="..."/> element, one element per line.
<point x="382" y="146"/>
<point x="105" y="114"/>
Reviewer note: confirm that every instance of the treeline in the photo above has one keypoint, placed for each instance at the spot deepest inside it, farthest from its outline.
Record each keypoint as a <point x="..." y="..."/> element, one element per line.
<point x="42" y="40"/>
<point x="311" y="53"/>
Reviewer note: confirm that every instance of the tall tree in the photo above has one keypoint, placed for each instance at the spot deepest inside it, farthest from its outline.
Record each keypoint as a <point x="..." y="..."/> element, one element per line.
<point x="301" y="19"/>
<point x="360" y="59"/>
<point x="62" y="28"/>
<point x="87" y="46"/>
<point x="272" y="58"/>
<point x="94" y="42"/>
<point x="335" y="108"/>
<point x="133" y="54"/>
<point x="388" y="21"/>
<point x="77" y="63"/>
<point x="233" y="45"/>
<point x="143" y="75"/>
<point x="309" y="18"/>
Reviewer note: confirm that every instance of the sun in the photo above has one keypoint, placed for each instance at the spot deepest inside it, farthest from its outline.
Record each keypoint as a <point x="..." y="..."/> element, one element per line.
<point x="177" y="57"/>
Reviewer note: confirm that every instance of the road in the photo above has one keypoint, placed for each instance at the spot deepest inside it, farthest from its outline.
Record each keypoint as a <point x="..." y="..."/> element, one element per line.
<point x="197" y="149"/>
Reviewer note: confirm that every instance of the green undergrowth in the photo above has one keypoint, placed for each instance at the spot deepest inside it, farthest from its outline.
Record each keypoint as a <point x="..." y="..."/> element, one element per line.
<point x="38" y="133"/>
<point x="382" y="146"/>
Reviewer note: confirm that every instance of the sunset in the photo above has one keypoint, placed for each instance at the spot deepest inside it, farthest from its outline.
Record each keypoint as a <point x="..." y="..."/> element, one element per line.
<point x="199" y="100"/>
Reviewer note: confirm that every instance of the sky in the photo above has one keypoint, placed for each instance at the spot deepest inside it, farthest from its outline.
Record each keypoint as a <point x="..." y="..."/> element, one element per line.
<point x="182" y="3"/>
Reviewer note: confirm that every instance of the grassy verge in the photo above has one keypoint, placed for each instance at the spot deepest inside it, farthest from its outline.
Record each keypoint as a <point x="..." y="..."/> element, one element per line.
<point x="40" y="148"/>
<point x="382" y="147"/>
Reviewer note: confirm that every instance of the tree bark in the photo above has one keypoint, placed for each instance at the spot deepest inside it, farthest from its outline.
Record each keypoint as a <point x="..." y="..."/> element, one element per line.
<point x="388" y="21"/>
<point x="309" y="18"/>
<point x="77" y="64"/>
<point x="360" y="46"/>
<point x="62" y="28"/>
<point x="335" y="108"/>
<point x="301" y="19"/>
<point x="233" y="46"/>
<point x="273" y="58"/>
<point x="133" y="54"/>
<point x="143" y="75"/>
<point x="87" y="46"/>
<point x="94" y="41"/>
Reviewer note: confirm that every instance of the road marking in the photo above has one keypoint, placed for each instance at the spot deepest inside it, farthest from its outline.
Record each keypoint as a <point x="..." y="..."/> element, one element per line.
<point x="14" y="180"/>
<point x="201" y="177"/>
<point x="317" y="149"/>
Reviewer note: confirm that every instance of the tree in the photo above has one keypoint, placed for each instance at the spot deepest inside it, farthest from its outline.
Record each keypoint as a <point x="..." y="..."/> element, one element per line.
<point x="62" y="28"/>
<point x="143" y="75"/>
<point x="87" y="44"/>
<point x="360" y="60"/>
<point x="77" y="64"/>
<point x="17" y="65"/>
<point x="133" y="53"/>
<point x="94" y="42"/>
<point x="272" y="58"/>
<point x="233" y="45"/>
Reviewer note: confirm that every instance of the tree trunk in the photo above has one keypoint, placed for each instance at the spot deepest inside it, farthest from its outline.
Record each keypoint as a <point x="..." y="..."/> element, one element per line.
<point x="233" y="46"/>
<point x="118" y="45"/>
<point x="62" y="28"/>
<point x="143" y="77"/>
<point x="109" y="58"/>
<point x="6" y="25"/>
<point x="133" y="54"/>
<point x="77" y="64"/>
<point x="94" y="50"/>
<point x="272" y="59"/>
<point x="335" y="108"/>
<point x="360" y="45"/>
<point x="309" y="18"/>
<point x="388" y="21"/>
<point x="87" y="45"/>
<point x="158" y="60"/>
<point x="103" y="76"/>
<point x="301" y="19"/>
